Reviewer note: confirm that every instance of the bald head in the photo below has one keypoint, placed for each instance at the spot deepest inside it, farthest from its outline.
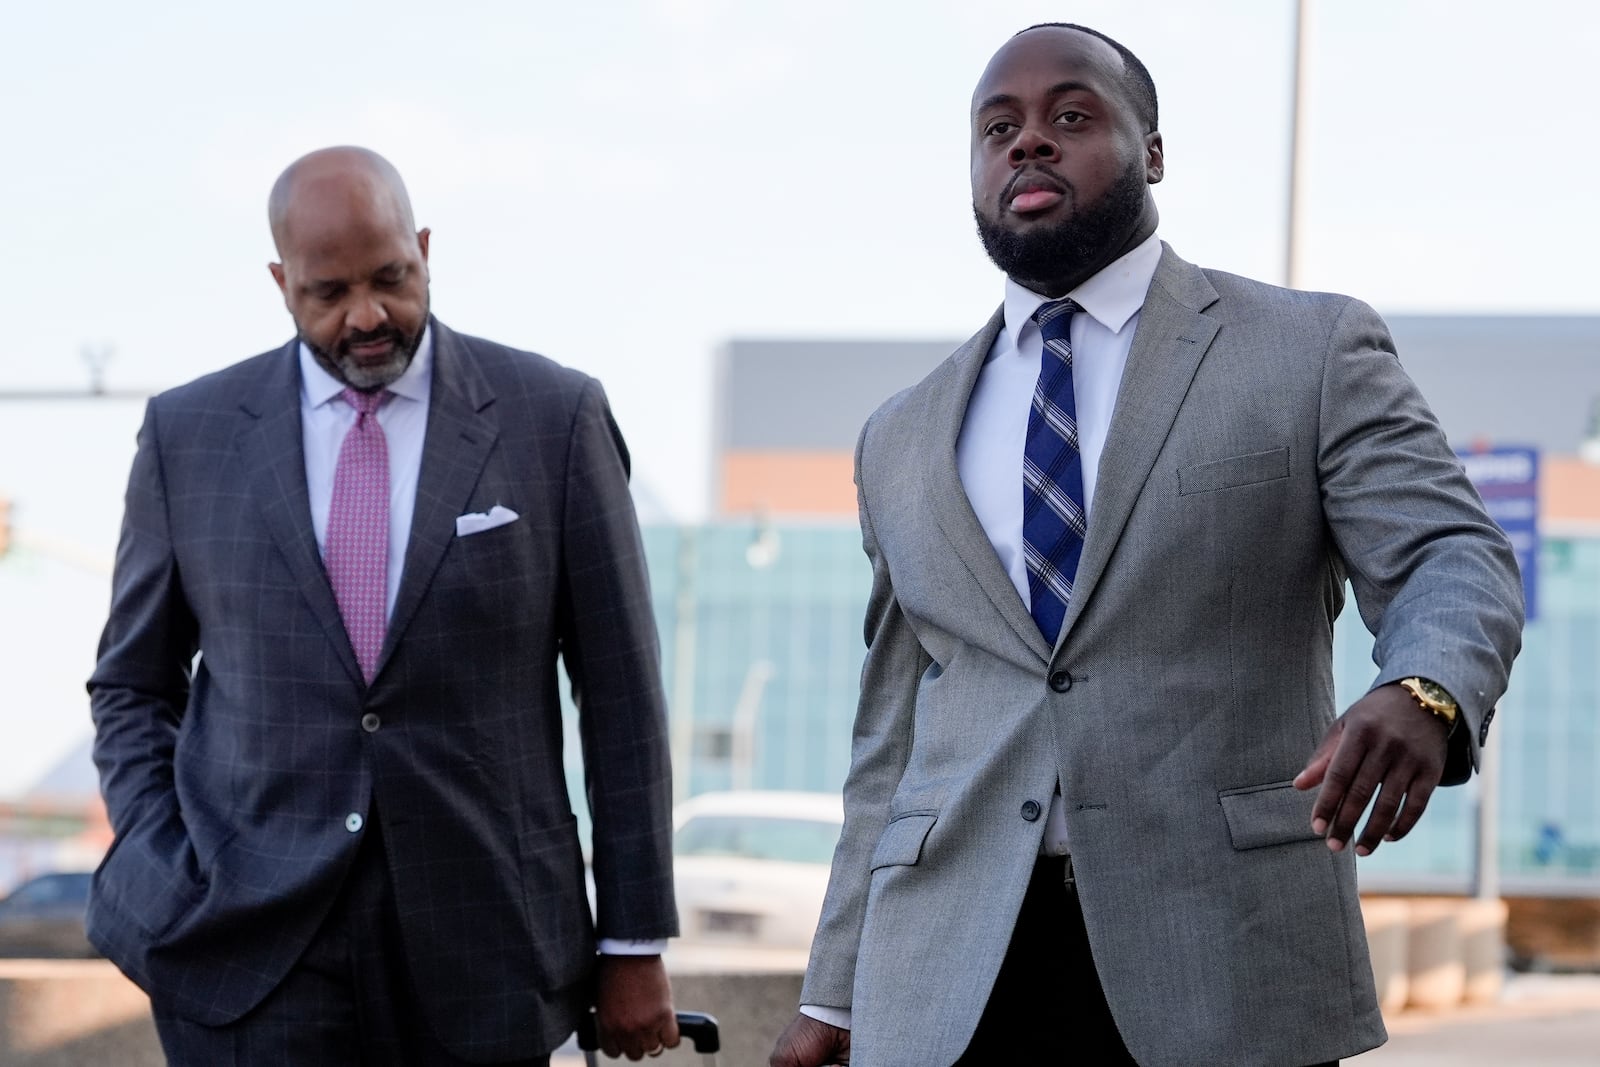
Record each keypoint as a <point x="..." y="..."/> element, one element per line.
<point x="336" y="178"/>
<point x="354" y="270"/>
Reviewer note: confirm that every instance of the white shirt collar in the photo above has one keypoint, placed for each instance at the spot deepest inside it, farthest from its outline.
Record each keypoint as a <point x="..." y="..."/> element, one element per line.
<point x="1111" y="297"/>
<point x="319" y="387"/>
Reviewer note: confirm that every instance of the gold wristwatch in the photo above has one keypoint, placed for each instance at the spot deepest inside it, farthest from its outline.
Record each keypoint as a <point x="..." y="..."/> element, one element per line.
<point x="1434" y="698"/>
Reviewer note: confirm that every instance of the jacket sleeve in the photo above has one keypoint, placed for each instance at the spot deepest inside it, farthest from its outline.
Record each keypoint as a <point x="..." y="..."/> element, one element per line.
<point x="1435" y="579"/>
<point x="139" y="689"/>
<point x="880" y="750"/>
<point x="612" y="656"/>
<point x="140" y="683"/>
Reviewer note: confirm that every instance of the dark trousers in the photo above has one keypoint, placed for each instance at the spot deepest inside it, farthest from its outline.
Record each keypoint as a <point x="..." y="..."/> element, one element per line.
<point x="348" y="1001"/>
<point x="1047" y="1006"/>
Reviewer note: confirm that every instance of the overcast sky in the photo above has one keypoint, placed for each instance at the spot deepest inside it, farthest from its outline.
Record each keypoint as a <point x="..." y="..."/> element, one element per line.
<point x="624" y="186"/>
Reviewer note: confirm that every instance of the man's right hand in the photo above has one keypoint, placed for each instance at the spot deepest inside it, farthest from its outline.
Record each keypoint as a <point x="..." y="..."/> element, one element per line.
<point x="808" y="1042"/>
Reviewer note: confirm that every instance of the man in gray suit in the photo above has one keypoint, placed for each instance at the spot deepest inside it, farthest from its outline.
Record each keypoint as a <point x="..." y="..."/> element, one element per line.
<point x="1100" y="809"/>
<point x="327" y="720"/>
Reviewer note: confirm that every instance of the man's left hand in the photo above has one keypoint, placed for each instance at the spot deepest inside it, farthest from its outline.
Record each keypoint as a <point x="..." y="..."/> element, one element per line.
<point x="1385" y="740"/>
<point x="633" y="1007"/>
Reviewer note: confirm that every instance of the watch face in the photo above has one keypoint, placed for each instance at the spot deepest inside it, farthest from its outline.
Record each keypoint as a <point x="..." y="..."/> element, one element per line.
<point x="1434" y="691"/>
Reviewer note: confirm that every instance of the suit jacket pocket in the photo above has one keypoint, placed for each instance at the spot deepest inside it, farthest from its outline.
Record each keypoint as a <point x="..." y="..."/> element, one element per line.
<point x="901" y="842"/>
<point x="1237" y="470"/>
<point x="1273" y="814"/>
<point x="554" y="902"/>
<point x="149" y="876"/>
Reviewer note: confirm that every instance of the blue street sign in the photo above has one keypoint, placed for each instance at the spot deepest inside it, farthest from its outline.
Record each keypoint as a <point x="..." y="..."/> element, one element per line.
<point x="1507" y="477"/>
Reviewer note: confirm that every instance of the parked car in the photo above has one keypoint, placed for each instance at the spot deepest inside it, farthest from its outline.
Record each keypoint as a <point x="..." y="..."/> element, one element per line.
<point x="43" y="916"/>
<point x="751" y="867"/>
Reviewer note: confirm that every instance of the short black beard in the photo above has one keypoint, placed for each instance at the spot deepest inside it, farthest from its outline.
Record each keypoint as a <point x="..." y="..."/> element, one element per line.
<point x="1081" y="239"/>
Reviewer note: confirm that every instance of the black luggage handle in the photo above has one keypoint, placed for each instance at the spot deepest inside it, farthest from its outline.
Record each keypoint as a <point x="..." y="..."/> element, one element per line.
<point x="697" y="1026"/>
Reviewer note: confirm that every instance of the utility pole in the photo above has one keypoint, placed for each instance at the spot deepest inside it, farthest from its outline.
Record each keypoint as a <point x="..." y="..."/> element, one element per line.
<point x="96" y="357"/>
<point x="1486" y="843"/>
<point x="1293" y="253"/>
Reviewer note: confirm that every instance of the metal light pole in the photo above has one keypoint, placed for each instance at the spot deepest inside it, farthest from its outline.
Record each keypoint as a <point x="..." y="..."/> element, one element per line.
<point x="746" y="715"/>
<point x="685" y="631"/>
<point x="1299" y="106"/>
<point x="1486" y="863"/>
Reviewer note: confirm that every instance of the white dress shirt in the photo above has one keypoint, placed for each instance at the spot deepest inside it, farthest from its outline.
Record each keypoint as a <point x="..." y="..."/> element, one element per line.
<point x="989" y="450"/>
<point x="325" y="419"/>
<point x="995" y="430"/>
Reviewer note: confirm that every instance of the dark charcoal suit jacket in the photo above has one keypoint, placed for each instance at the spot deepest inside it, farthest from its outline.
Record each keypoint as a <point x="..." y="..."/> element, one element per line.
<point x="234" y="779"/>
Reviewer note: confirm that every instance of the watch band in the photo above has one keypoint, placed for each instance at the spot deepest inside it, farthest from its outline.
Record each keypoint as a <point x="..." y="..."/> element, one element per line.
<point x="1433" y="698"/>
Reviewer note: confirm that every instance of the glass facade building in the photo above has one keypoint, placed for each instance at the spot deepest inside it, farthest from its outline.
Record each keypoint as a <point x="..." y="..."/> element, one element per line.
<point x="1546" y="739"/>
<point x="761" y="637"/>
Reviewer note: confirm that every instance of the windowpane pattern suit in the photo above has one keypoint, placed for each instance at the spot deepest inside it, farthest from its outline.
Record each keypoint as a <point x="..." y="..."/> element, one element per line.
<point x="232" y="779"/>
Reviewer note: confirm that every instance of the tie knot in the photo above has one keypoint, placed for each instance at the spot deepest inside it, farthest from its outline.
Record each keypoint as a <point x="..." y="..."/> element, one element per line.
<point x="1055" y="317"/>
<point x="365" y="403"/>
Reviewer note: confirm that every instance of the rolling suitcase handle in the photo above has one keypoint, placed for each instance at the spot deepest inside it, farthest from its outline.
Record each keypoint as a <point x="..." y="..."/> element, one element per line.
<point x="697" y="1026"/>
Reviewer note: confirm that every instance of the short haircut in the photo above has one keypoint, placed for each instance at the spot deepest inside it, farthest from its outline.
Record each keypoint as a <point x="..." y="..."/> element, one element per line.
<point x="1140" y="86"/>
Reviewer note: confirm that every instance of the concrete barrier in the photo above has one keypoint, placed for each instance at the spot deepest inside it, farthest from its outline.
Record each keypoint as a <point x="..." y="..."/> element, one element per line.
<point x="1483" y="949"/>
<point x="1427" y="953"/>
<point x="1455" y="950"/>
<point x="1437" y="971"/>
<point x="84" y="1013"/>
<point x="1388" y="921"/>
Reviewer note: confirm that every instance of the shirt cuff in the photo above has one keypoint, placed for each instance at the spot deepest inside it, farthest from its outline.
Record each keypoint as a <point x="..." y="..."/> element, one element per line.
<point x="839" y="1017"/>
<point x="611" y="946"/>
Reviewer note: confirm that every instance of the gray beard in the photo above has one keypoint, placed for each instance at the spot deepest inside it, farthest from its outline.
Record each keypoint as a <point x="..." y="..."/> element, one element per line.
<point x="369" y="378"/>
<point x="366" y="379"/>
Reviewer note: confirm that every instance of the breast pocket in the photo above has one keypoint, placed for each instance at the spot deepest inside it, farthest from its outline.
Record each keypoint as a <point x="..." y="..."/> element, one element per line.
<point x="513" y="555"/>
<point x="1249" y="469"/>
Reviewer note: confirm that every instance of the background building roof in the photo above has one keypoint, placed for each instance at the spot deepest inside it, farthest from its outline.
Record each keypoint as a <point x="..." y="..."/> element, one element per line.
<point x="1517" y="379"/>
<point x="1523" y="379"/>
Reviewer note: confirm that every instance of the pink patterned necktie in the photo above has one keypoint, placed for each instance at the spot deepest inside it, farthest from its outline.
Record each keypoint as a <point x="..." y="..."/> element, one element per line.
<point x="357" y="549"/>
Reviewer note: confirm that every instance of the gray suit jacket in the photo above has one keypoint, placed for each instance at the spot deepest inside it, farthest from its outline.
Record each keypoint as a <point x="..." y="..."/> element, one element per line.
<point x="232" y="780"/>
<point x="1265" y="446"/>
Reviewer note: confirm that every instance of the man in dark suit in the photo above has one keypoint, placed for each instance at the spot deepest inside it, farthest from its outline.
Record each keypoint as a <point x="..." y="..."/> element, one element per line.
<point x="1100" y="808"/>
<point x="327" y="720"/>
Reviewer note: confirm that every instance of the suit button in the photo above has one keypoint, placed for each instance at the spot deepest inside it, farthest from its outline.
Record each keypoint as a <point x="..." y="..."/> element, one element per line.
<point x="1060" y="681"/>
<point x="1031" y="810"/>
<point x="370" y="722"/>
<point x="354" y="822"/>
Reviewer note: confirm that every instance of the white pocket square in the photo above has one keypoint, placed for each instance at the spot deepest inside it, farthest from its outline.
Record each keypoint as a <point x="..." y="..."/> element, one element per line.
<point x="479" y="521"/>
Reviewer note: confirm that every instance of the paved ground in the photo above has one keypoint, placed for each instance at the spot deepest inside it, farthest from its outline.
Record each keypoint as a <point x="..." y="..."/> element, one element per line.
<point x="1541" y="1021"/>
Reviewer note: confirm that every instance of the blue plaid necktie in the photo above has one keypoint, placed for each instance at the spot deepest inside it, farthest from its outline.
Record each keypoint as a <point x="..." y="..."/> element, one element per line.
<point x="1053" y="518"/>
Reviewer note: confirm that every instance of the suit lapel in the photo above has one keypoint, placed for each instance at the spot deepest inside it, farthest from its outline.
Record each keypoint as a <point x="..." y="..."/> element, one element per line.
<point x="458" y="442"/>
<point x="1171" y="340"/>
<point x="272" y="448"/>
<point x="951" y="506"/>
